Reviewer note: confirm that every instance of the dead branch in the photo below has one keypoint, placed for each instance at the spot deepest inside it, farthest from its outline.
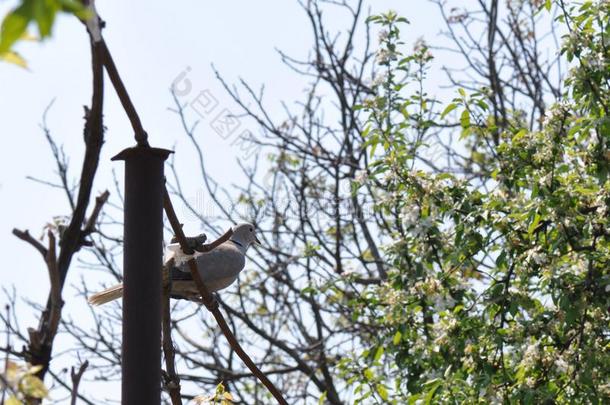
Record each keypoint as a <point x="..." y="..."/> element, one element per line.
<point x="97" y="209"/>
<point x="76" y="377"/>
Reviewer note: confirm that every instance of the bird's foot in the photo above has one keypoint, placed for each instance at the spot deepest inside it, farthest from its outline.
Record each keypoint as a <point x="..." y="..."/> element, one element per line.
<point x="211" y="303"/>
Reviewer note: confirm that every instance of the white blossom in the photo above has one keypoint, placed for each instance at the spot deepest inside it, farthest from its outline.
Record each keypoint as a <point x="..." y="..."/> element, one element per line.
<point x="379" y="80"/>
<point x="537" y="257"/>
<point x="361" y="176"/>
<point x="561" y="365"/>
<point x="384" y="56"/>
<point x="556" y="111"/>
<point x="383" y="35"/>
<point x="409" y="216"/>
<point x="531" y="354"/>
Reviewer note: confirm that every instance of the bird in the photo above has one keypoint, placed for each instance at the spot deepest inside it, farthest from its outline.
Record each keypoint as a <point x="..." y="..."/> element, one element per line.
<point x="218" y="268"/>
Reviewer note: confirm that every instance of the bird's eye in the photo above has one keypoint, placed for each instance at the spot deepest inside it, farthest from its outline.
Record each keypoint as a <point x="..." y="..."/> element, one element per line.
<point x="251" y="229"/>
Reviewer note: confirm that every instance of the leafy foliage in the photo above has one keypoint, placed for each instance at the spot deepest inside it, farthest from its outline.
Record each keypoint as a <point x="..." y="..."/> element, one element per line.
<point x="42" y="13"/>
<point x="499" y="283"/>
<point x="22" y="383"/>
<point x="220" y="397"/>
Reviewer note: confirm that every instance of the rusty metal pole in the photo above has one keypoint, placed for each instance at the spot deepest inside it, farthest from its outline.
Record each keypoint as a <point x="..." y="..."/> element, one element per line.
<point x="142" y="261"/>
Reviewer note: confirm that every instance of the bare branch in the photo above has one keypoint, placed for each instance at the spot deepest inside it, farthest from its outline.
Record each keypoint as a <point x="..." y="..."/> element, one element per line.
<point x="76" y="377"/>
<point x="25" y="236"/>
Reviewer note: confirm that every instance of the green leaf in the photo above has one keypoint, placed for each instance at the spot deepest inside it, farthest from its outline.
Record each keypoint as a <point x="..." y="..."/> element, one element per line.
<point x="373" y="147"/>
<point x="366" y="131"/>
<point x="501" y="260"/>
<point x="548" y="4"/>
<point x="447" y="371"/>
<point x="519" y="135"/>
<point x="14" y="58"/>
<point x="13" y="401"/>
<point x="33" y="386"/>
<point x="378" y="353"/>
<point x="483" y="105"/>
<point x="368" y="374"/>
<point x="465" y="119"/>
<point x="44" y="12"/>
<point x="14" y="25"/>
<point x="571" y="315"/>
<point x="382" y="391"/>
<point x="432" y="391"/>
<point x="414" y="398"/>
<point x="448" y="109"/>
<point x="397" y="338"/>
<point x="322" y="398"/>
<point x="534" y="224"/>
<point x="75" y="7"/>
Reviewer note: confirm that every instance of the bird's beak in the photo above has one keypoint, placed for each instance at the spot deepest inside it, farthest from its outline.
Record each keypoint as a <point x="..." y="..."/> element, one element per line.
<point x="258" y="242"/>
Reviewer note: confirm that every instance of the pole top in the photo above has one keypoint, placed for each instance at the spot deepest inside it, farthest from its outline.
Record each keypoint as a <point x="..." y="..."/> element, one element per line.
<point x="134" y="151"/>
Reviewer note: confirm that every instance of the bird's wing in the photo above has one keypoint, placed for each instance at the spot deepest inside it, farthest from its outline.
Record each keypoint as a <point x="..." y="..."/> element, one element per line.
<point x="224" y="261"/>
<point x="218" y="269"/>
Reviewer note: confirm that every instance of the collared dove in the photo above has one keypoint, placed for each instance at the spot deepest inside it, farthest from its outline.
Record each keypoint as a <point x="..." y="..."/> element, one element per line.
<point x="218" y="268"/>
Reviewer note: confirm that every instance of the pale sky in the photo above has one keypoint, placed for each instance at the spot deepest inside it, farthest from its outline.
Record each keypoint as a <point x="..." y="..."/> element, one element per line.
<point x="152" y="43"/>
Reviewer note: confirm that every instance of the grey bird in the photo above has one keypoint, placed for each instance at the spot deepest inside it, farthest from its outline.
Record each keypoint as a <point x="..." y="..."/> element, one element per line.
<point x="218" y="268"/>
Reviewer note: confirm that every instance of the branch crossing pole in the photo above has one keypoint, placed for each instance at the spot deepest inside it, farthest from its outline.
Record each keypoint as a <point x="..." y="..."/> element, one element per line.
<point x="142" y="262"/>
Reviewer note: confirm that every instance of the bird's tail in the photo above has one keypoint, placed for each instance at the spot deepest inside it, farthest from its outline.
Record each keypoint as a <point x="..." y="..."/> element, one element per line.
<point x="109" y="294"/>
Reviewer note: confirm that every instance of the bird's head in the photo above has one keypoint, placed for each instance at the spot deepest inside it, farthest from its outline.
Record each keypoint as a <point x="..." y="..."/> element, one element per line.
<point x="245" y="234"/>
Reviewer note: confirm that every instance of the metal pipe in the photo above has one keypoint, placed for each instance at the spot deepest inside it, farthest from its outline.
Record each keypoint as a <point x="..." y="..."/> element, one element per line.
<point x="142" y="262"/>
